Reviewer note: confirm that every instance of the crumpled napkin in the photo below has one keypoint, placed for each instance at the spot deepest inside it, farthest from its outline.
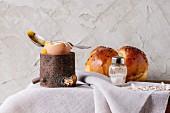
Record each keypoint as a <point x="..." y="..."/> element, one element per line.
<point x="95" y="93"/>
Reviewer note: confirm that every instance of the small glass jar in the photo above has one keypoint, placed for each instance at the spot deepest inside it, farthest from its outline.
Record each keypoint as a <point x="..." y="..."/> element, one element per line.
<point x="118" y="71"/>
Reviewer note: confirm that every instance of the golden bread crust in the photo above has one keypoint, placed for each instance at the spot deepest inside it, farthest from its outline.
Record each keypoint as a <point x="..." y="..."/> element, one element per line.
<point x="100" y="60"/>
<point x="136" y="62"/>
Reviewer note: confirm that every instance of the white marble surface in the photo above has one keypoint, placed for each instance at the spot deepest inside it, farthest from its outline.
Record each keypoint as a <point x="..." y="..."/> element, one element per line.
<point x="114" y="23"/>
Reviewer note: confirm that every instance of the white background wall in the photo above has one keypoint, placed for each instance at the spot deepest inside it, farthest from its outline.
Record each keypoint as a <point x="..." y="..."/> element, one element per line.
<point x="113" y="23"/>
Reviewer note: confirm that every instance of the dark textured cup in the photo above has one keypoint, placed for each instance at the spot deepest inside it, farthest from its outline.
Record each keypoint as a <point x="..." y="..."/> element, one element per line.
<point x="57" y="70"/>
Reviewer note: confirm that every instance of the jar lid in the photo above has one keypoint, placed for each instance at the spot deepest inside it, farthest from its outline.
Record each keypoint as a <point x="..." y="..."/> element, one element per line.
<point x="118" y="60"/>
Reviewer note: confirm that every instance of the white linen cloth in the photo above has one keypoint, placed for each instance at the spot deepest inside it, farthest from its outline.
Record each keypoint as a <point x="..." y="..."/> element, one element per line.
<point x="97" y="95"/>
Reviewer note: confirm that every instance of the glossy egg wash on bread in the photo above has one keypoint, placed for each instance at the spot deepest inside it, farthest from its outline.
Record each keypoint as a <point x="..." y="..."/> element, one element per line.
<point x="100" y="60"/>
<point x="135" y="60"/>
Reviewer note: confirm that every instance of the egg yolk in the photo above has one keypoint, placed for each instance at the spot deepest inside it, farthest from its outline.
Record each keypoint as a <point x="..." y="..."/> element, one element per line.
<point x="44" y="51"/>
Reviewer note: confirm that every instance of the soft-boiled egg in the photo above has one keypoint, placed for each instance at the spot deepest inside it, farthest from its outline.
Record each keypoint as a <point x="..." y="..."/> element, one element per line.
<point x="58" y="48"/>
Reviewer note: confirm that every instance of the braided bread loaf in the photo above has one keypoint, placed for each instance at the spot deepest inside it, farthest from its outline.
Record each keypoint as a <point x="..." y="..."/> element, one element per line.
<point x="100" y="60"/>
<point x="135" y="60"/>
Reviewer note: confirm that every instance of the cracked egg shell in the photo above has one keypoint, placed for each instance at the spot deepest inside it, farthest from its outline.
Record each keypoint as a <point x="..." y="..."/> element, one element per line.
<point x="57" y="49"/>
<point x="68" y="48"/>
<point x="100" y="59"/>
<point x="136" y="62"/>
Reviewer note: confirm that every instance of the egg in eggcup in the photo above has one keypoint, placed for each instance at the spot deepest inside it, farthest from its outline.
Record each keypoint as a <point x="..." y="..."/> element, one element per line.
<point x="57" y="65"/>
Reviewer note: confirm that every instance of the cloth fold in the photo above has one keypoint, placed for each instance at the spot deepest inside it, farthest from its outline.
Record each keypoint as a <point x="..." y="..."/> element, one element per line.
<point x="120" y="100"/>
<point x="94" y="93"/>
